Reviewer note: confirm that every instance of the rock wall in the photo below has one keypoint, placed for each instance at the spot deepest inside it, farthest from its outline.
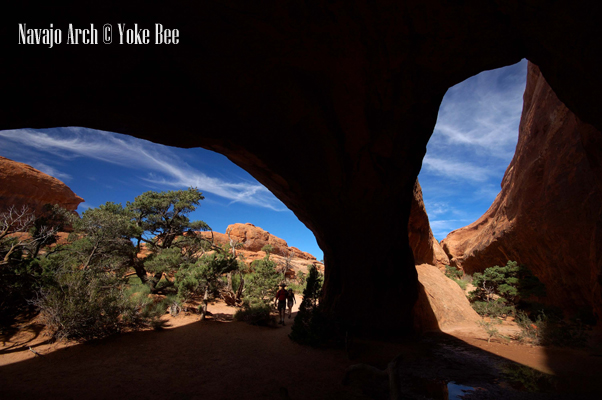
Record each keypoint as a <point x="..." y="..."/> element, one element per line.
<point x="329" y="104"/>
<point x="548" y="214"/>
<point x="22" y="185"/>
<point x="425" y="247"/>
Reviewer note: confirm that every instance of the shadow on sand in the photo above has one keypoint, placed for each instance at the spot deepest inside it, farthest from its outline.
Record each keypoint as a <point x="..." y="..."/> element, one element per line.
<point x="218" y="359"/>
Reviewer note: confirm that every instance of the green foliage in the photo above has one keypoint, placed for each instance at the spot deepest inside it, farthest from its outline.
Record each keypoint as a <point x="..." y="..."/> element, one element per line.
<point x="302" y="277"/>
<point x="511" y="282"/>
<point x="530" y="330"/>
<point x="164" y="216"/>
<point x="101" y="240"/>
<point x="22" y="235"/>
<point x="255" y="313"/>
<point x="498" y="281"/>
<point x="312" y="326"/>
<point x="494" y="308"/>
<point x="456" y="275"/>
<point x="82" y="292"/>
<point x="84" y="304"/>
<point x="268" y="249"/>
<point x="204" y="274"/>
<point x="554" y="331"/>
<point x="452" y="272"/>
<point x="522" y="377"/>
<point x="491" y="330"/>
<point x="500" y="290"/>
<point x="261" y="285"/>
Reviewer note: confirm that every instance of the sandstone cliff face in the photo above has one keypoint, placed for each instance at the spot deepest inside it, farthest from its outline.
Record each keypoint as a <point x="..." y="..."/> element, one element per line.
<point x="425" y="247"/>
<point x="22" y="185"/>
<point x="442" y="304"/>
<point x="253" y="238"/>
<point x="548" y="214"/>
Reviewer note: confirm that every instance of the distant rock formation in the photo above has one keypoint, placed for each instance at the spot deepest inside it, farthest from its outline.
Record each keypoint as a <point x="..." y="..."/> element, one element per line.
<point x="548" y="214"/>
<point x="22" y="185"/>
<point x="253" y="238"/>
<point x="425" y="247"/>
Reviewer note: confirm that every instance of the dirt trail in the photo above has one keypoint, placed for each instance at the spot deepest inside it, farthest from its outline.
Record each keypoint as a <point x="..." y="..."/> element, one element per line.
<point x="214" y="359"/>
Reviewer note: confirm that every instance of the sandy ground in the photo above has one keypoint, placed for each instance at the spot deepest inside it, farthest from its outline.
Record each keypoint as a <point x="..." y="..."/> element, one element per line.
<point x="221" y="359"/>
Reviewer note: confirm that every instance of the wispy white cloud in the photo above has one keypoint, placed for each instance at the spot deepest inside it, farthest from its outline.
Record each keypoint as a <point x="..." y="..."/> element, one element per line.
<point x="161" y="164"/>
<point x="47" y="169"/>
<point x="442" y="227"/>
<point x="456" y="169"/>
<point x="85" y="206"/>
<point x="472" y="144"/>
<point x="478" y="124"/>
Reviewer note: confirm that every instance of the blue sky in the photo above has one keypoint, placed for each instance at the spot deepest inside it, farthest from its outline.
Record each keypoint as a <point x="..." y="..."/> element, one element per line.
<point x="472" y="145"/>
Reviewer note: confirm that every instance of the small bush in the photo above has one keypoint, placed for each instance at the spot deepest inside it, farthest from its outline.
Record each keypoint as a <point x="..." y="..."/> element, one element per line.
<point x="491" y="330"/>
<point x="255" y="314"/>
<point x="457" y="276"/>
<point x="453" y="273"/>
<point x="522" y="377"/>
<point x="312" y="326"/>
<point x="493" y="308"/>
<point x="85" y="305"/>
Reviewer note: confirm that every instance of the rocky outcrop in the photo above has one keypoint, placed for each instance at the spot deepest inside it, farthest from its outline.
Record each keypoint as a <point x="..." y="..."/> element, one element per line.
<point x="425" y="247"/>
<point x="442" y="304"/>
<point x="548" y="214"/>
<point x="253" y="238"/>
<point x="329" y="104"/>
<point x="22" y="185"/>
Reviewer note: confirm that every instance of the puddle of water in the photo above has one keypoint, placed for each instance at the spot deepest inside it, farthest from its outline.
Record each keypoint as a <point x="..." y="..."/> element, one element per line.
<point x="455" y="391"/>
<point x="440" y="390"/>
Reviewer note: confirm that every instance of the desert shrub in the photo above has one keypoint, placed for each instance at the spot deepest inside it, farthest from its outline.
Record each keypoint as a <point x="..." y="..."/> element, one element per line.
<point x="452" y="272"/>
<point x="493" y="308"/>
<point x="456" y="275"/>
<point x="23" y="236"/>
<point x="85" y="304"/>
<point x="462" y="283"/>
<point x="312" y="326"/>
<point x="522" y="377"/>
<point x="499" y="291"/>
<point x="255" y="314"/>
<point x="261" y="284"/>
<point x="491" y="330"/>
<point x="513" y="283"/>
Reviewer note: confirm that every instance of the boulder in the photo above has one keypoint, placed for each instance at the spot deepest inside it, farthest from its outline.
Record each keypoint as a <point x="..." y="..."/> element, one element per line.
<point x="548" y="215"/>
<point x="22" y="185"/>
<point x="442" y="304"/>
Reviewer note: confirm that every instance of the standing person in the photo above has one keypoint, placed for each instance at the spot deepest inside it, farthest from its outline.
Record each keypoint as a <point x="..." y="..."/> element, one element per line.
<point x="280" y="300"/>
<point x="290" y="300"/>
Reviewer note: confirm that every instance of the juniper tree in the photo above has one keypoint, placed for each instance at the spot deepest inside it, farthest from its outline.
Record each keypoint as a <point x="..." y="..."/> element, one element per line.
<point x="162" y="223"/>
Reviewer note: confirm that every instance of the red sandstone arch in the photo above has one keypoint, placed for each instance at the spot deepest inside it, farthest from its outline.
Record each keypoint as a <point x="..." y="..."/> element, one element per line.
<point x="350" y="88"/>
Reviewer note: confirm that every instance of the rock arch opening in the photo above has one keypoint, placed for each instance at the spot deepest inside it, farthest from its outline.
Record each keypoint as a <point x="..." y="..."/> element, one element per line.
<point x="547" y="215"/>
<point x="329" y="106"/>
<point x="104" y="166"/>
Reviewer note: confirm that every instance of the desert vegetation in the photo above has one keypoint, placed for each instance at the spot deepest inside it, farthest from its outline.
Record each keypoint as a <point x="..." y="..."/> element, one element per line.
<point x="513" y="292"/>
<point x="123" y="267"/>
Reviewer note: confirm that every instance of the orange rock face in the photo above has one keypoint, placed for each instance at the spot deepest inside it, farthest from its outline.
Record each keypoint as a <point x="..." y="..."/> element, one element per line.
<point x="425" y="247"/>
<point x="253" y="238"/>
<point x="442" y="304"/>
<point x="24" y="185"/>
<point x="548" y="214"/>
